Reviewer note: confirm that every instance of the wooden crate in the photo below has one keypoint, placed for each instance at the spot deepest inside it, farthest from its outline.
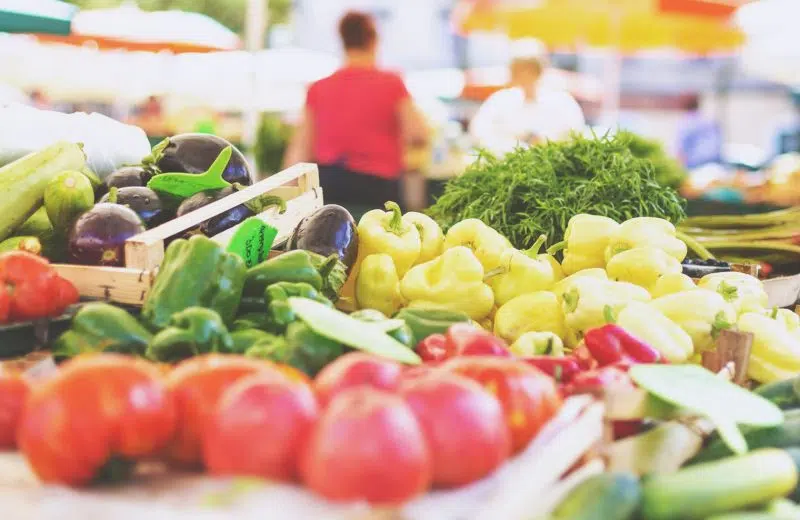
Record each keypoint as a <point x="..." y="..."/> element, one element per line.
<point x="298" y="186"/>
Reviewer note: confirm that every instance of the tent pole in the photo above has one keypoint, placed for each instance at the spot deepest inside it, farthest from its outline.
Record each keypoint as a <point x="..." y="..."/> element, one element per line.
<point x="256" y="17"/>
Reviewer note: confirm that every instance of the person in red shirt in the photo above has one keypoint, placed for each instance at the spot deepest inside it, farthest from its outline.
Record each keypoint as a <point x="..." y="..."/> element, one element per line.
<point x="357" y="124"/>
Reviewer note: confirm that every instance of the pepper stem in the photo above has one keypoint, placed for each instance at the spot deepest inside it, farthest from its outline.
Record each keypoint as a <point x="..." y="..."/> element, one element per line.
<point x="536" y="247"/>
<point x="609" y="315"/>
<point x="328" y="266"/>
<point x="555" y="248"/>
<point x="720" y="323"/>
<point x="395" y="224"/>
<point x="112" y="195"/>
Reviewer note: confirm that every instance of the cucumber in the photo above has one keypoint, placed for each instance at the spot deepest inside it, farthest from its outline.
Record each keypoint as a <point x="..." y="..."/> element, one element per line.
<point x="610" y="496"/>
<point x="786" y="435"/>
<point x="66" y="197"/>
<point x="785" y="394"/>
<point x="39" y="226"/>
<point x="29" y="244"/>
<point x="22" y="182"/>
<point x="93" y="178"/>
<point x="719" y="487"/>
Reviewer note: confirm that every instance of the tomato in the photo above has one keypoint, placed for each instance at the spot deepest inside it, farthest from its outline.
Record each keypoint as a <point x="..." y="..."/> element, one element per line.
<point x="259" y="427"/>
<point x="465" y="339"/>
<point x="13" y="392"/>
<point x="95" y="414"/>
<point x="197" y="385"/>
<point x="413" y="372"/>
<point x="368" y="446"/>
<point x="529" y="397"/>
<point x="356" y="369"/>
<point x="463" y="424"/>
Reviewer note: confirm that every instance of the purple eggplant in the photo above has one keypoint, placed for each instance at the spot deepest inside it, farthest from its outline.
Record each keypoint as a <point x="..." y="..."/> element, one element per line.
<point x="144" y="202"/>
<point x="125" y="177"/>
<point x="98" y="236"/>
<point x="194" y="153"/>
<point x="329" y="230"/>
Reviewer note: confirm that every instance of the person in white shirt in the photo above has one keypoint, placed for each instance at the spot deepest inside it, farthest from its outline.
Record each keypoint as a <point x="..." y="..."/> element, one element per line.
<point x="527" y="112"/>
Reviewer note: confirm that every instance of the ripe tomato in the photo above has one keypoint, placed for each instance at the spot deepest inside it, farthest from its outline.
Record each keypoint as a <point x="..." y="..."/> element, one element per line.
<point x="196" y="386"/>
<point x="13" y="392"/>
<point x="356" y="369"/>
<point x="368" y="446"/>
<point x="259" y="427"/>
<point x="463" y="424"/>
<point x="529" y="397"/>
<point x="92" y="413"/>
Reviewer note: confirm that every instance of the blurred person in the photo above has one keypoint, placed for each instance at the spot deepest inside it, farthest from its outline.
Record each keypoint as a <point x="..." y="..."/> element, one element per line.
<point x="699" y="141"/>
<point x="151" y="118"/>
<point x="38" y="100"/>
<point x="527" y="112"/>
<point x="788" y="135"/>
<point x="358" y="123"/>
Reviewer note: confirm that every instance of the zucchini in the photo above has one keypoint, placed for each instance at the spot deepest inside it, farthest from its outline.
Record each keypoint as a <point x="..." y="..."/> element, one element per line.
<point x="610" y="496"/>
<point x="39" y="226"/>
<point x="719" y="487"/>
<point x="785" y="394"/>
<point x="786" y="435"/>
<point x="22" y="182"/>
<point x="66" y="197"/>
<point x="29" y="244"/>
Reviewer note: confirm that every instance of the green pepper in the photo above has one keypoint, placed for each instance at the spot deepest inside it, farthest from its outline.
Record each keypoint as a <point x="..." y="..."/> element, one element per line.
<point x="301" y="348"/>
<point x="191" y="332"/>
<point x="195" y="273"/>
<point x="402" y="333"/>
<point x="246" y="338"/>
<point x="276" y="297"/>
<point x="100" y="327"/>
<point x="252" y="320"/>
<point x="424" y="322"/>
<point x="323" y="274"/>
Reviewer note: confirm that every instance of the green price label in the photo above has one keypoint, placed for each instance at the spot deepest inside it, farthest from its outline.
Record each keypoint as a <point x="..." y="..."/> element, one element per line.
<point x="184" y="185"/>
<point x="252" y="241"/>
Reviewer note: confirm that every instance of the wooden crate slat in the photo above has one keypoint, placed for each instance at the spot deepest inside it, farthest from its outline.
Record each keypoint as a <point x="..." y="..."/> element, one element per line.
<point x="117" y="284"/>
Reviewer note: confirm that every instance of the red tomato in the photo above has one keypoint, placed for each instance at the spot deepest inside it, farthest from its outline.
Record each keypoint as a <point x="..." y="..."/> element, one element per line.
<point x="465" y="339"/>
<point x="368" y="446"/>
<point x="94" y="412"/>
<point x="356" y="369"/>
<point x="260" y="425"/>
<point x="529" y="397"/>
<point x="413" y="372"/>
<point x="197" y="385"/>
<point x="13" y="392"/>
<point x="463" y="424"/>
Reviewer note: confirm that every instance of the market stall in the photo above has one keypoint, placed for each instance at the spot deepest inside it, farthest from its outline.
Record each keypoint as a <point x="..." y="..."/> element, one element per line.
<point x="183" y="341"/>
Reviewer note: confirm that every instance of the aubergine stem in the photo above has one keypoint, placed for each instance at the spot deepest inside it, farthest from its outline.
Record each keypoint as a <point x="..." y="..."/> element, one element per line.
<point x="156" y="154"/>
<point x="702" y="252"/>
<point x="262" y="203"/>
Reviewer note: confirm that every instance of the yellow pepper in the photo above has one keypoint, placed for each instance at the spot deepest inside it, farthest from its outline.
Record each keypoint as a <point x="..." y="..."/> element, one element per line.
<point x="699" y="312"/>
<point x="642" y="266"/>
<point x="431" y="236"/>
<point x="585" y="242"/>
<point x="672" y="283"/>
<point x="487" y="244"/>
<point x="646" y="232"/>
<point x="775" y="350"/>
<point x="745" y="292"/>
<point x="651" y="326"/>
<point x="542" y="343"/>
<point x="539" y="311"/>
<point x="378" y="286"/>
<point x="564" y="284"/>
<point x="762" y="371"/>
<point x="788" y="319"/>
<point x="453" y="281"/>
<point x="524" y="272"/>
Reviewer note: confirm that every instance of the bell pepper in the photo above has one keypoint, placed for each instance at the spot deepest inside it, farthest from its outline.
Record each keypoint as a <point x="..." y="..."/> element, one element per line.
<point x="453" y="281"/>
<point x="30" y="289"/>
<point x="787" y="318"/>
<point x="100" y="327"/>
<point x="646" y="232"/>
<point x="543" y="343"/>
<point x="401" y="333"/>
<point x="701" y="313"/>
<point x="434" y="349"/>
<point x="612" y="345"/>
<point x="534" y="312"/>
<point x="487" y="244"/>
<point x="745" y="292"/>
<point x="598" y="381"/>
<point x="195" y="273"/>
<point x="562" y="369"/>
<point x="773" y="346"/>
<point x="672" y="283"/>
<point x="252" y="320"/>
<point x="377" y="285"/>
<point x="645" y="322"/>
<point x="276" y="297"/>
<point x="461" y="339"/>
<point x="585" y="242"/>
<point x="424" y="322"/>
<point x="430" y="234"/>
<point x="565" y="284"/>
<point x="191" y="332"/>
<point x="642" y="266"/>
<point x="246" y="338"/>
<point x="301" y="348"/>
<point x="387" y="232"/>
<point x="325" y="274"/>
<point x="524" y="272"/>
<point x="589" y="301"/>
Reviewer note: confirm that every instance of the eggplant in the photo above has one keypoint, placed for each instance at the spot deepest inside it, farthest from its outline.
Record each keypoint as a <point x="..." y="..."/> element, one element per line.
<point x="144" y="202"/>
<point x="98" y="236"/>
<point x="125" y="177"/>
<point x="194" y="153"/>
<point x="218" y="223"/>
<point x="329" y="230"/>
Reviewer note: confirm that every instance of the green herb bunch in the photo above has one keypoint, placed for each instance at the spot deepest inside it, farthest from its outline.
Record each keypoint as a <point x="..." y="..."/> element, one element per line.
<point x="536" y="190"/>
<point x="668" y="171"/>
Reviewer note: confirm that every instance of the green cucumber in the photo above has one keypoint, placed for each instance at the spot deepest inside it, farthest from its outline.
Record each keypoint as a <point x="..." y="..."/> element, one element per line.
<point x="66" y="197"/>
<point x="785" y="394"/>
<point x="93" y="178"/>
<point x="786" y="435"/>
<point x="610" y="496"/>
<point x="39" y="226"/>
<point x="723" y="486"/>
<point x="22" y="182"/>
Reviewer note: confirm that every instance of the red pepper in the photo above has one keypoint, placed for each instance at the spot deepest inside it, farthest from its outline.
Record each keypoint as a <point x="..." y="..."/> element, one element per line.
<point x="584" y="357"/>
<point x="562" y="369"/>
<point x="611" y="344"/>
<point x="434" y="348"/>
<point x="597" y="381"/>
<point x="32" y="288"/>
<point x="467" y="340"/>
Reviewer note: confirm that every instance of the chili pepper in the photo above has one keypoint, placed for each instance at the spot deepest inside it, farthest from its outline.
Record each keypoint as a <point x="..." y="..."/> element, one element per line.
<point x="100" y="327"/>
<point x="33" y="288"/>
<point x="596" y="381"/>
<point x="299" y="266"/>
<point x="191" y="332"/>
<point x="562" y="369"/>
<point x="434" y="348"/>
<point x="643" y="321"/>
<point x="584" y="357"/>
<point x="611" y="344"/>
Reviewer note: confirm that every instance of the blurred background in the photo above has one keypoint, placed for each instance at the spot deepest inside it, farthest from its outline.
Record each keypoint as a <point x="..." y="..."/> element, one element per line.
<point x="712" y="87"/>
